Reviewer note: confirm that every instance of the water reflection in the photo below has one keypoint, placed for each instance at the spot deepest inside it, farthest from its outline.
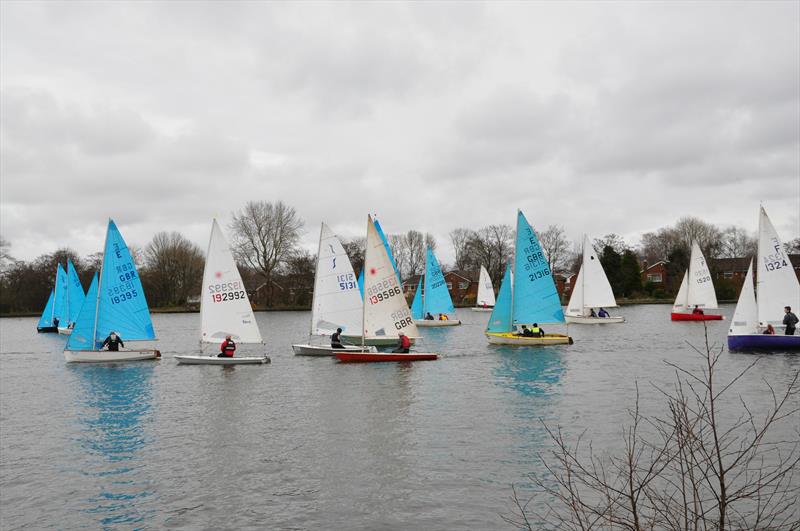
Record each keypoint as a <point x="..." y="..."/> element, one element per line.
<point x="112" y="406"/>
<point x="531" y="373"/>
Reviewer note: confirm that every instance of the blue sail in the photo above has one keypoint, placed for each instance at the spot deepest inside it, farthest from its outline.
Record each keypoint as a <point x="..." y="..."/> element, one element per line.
<point x="500" y="321"/>
<point x="74" y="291"/>
<point x="82" y="336"/>
<point x="47" y="315"/>
<point x="535" y="296"/>
<point x="386" y="245"/>
<point x="60" y="306"/>
<point x="437" y="296"/>
<point x="416" y="306"/>
<point x="122" y="305"/>
<point x="361" y="282"/>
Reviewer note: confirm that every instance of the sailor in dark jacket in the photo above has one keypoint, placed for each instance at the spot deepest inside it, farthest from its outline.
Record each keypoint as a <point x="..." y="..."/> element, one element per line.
<point x="113" y="341"/>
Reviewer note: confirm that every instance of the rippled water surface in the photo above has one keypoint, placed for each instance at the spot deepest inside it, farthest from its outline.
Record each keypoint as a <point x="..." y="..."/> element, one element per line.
<point x="308" y="443"/>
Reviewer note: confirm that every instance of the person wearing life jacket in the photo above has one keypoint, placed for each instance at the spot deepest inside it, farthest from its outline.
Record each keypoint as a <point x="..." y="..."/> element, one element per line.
<point x="403" y="345"/>
<point x="428" y="316"/>
<point x="113" y="341"/>
<point x="227" y="348"/>
<point x="442" y="317"/>
<point x="697" y="310"/>
<point x="537" y="331"/>
<point x="602" y="313"/>
<point x="336" y="339"/>
<point x="525" y="332"/>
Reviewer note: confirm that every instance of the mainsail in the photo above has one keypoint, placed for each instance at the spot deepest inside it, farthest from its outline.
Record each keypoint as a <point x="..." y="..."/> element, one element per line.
<point x="776" y="285"/>
<point x="485" y="289"/>
<point x="592" y="289"/>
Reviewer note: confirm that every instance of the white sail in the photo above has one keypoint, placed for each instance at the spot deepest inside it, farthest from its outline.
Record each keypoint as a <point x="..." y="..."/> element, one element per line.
<point x="485" y="289"/>
<point x="777" y="284"/>
<point x="745" y="317"/>
<point x="682" y="300"/>
<point x="592" y="289"/>
<point x="224" y="305"/>
<point x="386" y="311"/>
<point x="337" y="299"/>
<point x="701" y="288"/>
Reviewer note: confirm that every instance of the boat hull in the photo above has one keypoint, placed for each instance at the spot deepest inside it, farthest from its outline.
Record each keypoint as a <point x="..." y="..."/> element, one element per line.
<point x="323" y="350"/>
<point x="677" y="316"/>
<point x="65" y="331"/>
<point x="213" y="360"/>
<point x="580" y="319"/>
<point x="47" y="329"/>
<point x="507" y="338"/>
<point x="481" y="309"/>
<point x="435" y="323"/>
<point x="367" y="357"/>
<point x="763" y="342"/>
<point x="108" y="356"/>
<point x="374" y="341"/>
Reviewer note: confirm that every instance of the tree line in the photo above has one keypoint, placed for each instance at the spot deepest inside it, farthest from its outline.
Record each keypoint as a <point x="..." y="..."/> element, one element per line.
<point x="265" y="236"/>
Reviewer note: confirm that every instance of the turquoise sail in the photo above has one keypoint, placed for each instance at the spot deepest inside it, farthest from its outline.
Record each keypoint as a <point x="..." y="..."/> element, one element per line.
<point x="361" y="282"/>
<point x="60" y="306"/>
<point x="47" y="315"/>
<point x="500" y="321"/>
<point x="75" y="294"/>
<point x="437" y="296"/>
<point x="122" y="305"/>
<point x="535" y="297"/>
<point x="82" y="336"/>
<point x="386" y="245"/>
<point x="417" y="312"/>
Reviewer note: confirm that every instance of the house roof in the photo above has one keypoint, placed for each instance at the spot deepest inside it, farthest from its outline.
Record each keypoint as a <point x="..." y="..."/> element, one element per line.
<point x="651" y="266"/>
<point x="472" y="276"/>
<point x="726" y="265"/>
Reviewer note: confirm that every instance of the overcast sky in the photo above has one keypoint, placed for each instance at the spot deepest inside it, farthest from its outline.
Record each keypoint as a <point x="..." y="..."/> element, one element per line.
<point x="601" y="117"/>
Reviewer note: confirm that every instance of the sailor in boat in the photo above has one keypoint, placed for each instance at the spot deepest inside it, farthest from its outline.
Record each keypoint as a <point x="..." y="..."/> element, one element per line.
<point x="336" y="339"/>
<point x="525" y="332"/>
<point x="591" y="313"/>
<point x="770" y="331"/>
<point x="55" y="322"/>
<point x="536" y="330"/>
<point x="697" y="310"/>
<point x="227" y="348"/>
<point x="602" y="313"/>
<point x="442" y="317"/>
<point x="113" y="341"/>
<point x="403" y="345"/>
<point x="789" y="320"/>
<point x="428" y="316"/>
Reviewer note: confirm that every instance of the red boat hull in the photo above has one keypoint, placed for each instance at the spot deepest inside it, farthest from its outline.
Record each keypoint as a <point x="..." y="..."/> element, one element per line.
<point x="371" y="357"/>
<point x="695" y="317"/>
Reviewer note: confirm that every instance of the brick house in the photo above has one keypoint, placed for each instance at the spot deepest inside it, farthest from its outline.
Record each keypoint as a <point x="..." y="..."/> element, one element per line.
<point x="463" y="286"/>
<point x="656" y="274"/>
<point x="732" y="269"/>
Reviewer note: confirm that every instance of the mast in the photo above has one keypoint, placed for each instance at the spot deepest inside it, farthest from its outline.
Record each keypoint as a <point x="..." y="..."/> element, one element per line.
<point x="424" y="286"/>
<point x="55" y="290"/>
<point x="583" y="276"/>
<point x="99" y="288"/>
<point x="364" y="306"/>
<point x="316" y="279"/>
<point x="513" y="273"/>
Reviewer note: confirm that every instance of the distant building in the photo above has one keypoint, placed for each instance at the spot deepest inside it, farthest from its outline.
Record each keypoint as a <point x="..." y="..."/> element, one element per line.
<point x="462" y="285"/>
<point x="731" y="269"/>
<point x="655" y="274"/>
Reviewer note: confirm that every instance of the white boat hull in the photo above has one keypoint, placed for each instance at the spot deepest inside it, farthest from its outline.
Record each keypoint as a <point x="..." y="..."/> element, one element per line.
<point x="580" y="319"/>
<point x="374" y="341"/>
<point x="435" y="322"/>
<point x="327" y="350"/>
<point x="481" y="309"/>
<point x="214" y="360"/>
<point x="108" y="356"/>
<point x="512" y="339"/>
<point x="64" y="331"/>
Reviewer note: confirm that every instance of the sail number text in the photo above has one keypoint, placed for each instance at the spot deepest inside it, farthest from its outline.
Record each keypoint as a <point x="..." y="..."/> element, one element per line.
<point x="228" y="296"/>
<point x="347" y="281"/>
<point x="227" y="291"/>
<point x="402" y="318"/>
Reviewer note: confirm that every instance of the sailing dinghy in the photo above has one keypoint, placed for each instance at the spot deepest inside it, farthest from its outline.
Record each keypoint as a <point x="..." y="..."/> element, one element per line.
<point x="527" y="296"/>
<point x="696" y="291"/>
<point x="56" y="308"/>
<point x="385" y="312"/>
<point x="592" y="290"/>
<point x="115" y="302"/>
<point x="777" y="286"/>
<point x="434" y="297"/>
<point x="224" y="307"/>
<point x="336" y="301"/>
<point x="74" y="299"/>
<point x="485" y="298"/>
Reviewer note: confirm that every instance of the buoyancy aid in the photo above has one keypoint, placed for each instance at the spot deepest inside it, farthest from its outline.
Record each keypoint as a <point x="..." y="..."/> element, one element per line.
<point x="228" y="347"/>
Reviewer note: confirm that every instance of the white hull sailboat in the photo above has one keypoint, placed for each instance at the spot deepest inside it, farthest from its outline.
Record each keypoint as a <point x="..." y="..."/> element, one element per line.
<point x="485" y="298"/>
<point x="592" y="290"/>
<point x="115" y="302"/>
<point x="336" y="301"/>
<point x="224" y="307"/>
<point x="763" y="306"/>
<point x="385" y="313"/>
<point x="432" y="296"/>
<point x="527" y="296"/>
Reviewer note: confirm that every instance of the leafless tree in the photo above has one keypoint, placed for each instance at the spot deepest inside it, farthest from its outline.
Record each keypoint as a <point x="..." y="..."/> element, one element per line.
<point x="735" y="242"/>
<point x="685" y="469"/>
<point x="414" y="246"/>
<point x="397" y="244"/>
<point x="355" y="252"/>
<point x="555" y="245"/>
<point x="6" y="260"/>
<point x="792" y="246"/>
<point x="265" y="236"/>
<point x="173" y="269"/>
<point x="430" y="241"/>
<point x="612" y="240"/>
<point x="460" y="239"/>
<point x="492" y="247"/>
<point x="707" y="236"/>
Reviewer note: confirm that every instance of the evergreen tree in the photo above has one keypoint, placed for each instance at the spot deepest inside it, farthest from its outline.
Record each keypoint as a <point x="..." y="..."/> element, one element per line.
<point x="629" y="271"/>
<point x="611" y="261"/>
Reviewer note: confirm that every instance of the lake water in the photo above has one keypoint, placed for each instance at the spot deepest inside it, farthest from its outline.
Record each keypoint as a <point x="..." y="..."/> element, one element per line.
<point x="309" y="443"/>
